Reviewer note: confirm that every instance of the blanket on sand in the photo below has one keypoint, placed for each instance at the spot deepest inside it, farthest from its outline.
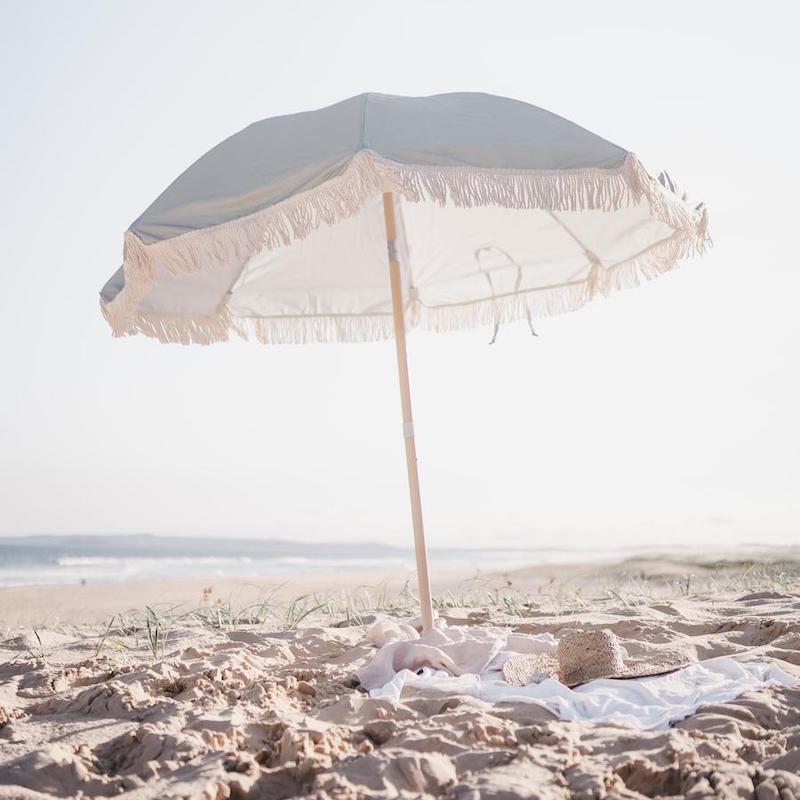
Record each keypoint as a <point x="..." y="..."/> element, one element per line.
<point x="469" y="661"/>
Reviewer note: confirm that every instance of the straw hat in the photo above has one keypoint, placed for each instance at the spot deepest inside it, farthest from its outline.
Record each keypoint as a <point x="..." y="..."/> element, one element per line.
<point x="587" y="655"/>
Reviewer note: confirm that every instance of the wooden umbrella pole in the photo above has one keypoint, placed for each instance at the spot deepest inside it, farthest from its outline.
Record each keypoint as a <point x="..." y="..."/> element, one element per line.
<point x="398" y="311"/>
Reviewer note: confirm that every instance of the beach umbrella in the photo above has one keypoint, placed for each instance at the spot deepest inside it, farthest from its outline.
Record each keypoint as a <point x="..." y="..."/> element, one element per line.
<point x="381" y="213"/>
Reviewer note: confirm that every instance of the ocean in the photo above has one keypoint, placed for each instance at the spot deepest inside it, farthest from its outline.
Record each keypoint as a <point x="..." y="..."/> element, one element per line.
<point x="49" y="560"/>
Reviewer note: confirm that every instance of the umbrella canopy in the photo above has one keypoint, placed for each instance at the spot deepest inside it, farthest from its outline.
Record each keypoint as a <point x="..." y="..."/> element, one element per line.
<point x="504" y="210"/>
<point x="486" y="210"/>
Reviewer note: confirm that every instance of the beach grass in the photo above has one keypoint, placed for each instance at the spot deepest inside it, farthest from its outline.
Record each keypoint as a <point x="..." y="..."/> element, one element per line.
<point x="150" y="627"/>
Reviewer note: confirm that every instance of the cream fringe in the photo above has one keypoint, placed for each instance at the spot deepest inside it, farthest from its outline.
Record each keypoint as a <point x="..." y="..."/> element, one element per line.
<point x="343" y="196"/>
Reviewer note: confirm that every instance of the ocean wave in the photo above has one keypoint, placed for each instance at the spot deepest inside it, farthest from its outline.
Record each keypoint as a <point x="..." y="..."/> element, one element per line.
<point x="148" y="561"/>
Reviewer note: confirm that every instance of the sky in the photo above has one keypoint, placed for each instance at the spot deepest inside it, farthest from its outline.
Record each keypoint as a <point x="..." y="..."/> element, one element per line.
<point x="663" y="414"/>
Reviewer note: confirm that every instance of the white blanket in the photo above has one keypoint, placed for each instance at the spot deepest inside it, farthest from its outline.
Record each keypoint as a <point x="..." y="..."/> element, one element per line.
<point x="468" y="661"/>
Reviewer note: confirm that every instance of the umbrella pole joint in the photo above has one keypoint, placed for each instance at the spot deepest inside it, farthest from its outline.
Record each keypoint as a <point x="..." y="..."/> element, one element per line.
<point x="398" y="313"/>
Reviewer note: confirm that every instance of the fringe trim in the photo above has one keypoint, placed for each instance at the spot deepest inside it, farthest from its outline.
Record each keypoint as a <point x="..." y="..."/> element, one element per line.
<point x="556" y="190"/>
<point x="366" y="175"/>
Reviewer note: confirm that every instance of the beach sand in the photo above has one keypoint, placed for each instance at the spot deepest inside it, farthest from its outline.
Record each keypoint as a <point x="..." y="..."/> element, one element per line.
<point x="246" y="691"/>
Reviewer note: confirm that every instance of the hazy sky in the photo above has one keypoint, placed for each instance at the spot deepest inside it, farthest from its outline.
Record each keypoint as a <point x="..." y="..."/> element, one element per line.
<point x="669" y="412"/>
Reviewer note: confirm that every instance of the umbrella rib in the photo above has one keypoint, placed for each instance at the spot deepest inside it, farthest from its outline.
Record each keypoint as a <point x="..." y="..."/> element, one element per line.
<point x="591" y="255"/>
<point x="595" y="259"/>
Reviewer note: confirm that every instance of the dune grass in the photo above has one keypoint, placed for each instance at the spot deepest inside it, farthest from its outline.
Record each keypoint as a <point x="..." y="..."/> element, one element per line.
<point x="483" y="598"/>
<point x="480" y="599"/>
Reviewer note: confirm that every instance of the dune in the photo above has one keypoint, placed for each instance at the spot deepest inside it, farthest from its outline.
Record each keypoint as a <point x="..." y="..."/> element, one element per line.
<point x="176" y="707"/>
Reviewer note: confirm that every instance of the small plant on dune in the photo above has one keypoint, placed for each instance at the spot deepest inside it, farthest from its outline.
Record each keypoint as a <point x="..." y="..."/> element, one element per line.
<point x="504" y="599"/>
<point x="157" y="629"/>
<point x="223" y="614"/>
<point x="769" y="577"/>
<point x="101" y="640"/>
<point x="253" y="614"/>
<point x="300" y="608"/>
<point x="37" y="652"/>
<point x="566" y="600"/>
<point x="218" y="615"/>
<point x="519" y="604"/>
<point x="350" y="606"/>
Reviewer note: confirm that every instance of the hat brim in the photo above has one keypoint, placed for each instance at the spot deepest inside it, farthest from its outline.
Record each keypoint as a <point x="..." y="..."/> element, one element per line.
<point x="521" y="670"/>
<point x="524" y="669"/>
<point x="643" y="667"/>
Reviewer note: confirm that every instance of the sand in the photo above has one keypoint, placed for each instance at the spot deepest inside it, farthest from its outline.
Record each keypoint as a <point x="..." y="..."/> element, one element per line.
<point x="185" y="709"/>
<point x="52" y="606"/>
